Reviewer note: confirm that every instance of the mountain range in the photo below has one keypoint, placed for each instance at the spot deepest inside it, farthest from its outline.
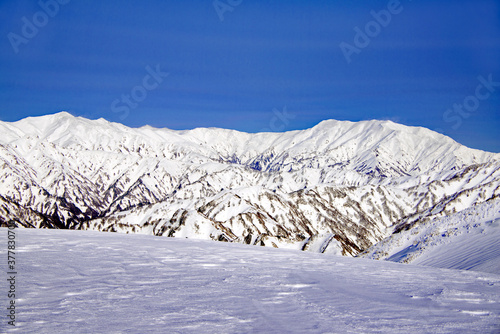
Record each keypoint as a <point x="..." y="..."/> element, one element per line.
<point x="340" y="187"/>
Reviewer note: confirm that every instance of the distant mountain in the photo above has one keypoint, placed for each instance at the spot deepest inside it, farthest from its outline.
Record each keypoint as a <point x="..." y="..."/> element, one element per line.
<point x="338" y="187"/>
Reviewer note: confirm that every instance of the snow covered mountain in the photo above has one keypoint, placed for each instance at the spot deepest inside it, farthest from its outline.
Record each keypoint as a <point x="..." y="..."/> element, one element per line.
<point x="338" y="187"/>
<point x="468" y="240"/>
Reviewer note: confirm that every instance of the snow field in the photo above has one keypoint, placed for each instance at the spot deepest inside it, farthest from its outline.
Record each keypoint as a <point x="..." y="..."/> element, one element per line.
<point x="95" y="282"/>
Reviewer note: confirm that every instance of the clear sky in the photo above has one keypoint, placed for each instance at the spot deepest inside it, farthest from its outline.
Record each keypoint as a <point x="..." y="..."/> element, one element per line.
<point x="256" y="65"/>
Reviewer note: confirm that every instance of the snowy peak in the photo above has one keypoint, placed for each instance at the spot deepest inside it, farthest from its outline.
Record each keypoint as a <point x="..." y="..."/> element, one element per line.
<point x="380" y="147"/>
<point x="337" y="187"/>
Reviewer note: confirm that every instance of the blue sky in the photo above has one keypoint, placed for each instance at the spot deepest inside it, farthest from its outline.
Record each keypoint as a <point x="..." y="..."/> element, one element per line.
<point x="268" y="65"/>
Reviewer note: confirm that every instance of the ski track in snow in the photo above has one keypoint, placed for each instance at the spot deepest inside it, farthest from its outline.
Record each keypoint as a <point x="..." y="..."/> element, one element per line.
<point x="96" y="282"/>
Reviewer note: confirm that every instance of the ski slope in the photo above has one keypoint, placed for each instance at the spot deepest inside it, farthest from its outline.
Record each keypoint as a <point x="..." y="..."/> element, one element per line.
<point x="94" y="282"/>
<point x="468" y="239"/>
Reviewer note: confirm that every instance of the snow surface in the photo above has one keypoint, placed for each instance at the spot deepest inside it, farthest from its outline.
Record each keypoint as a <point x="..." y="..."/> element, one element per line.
<point x="469" y="239"/>
<point x="96" y="282"/>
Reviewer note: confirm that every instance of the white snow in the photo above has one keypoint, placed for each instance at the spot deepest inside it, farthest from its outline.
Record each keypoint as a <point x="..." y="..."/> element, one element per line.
<point x="397" y="148"/>
<point x="478" y="251"/>
<point x="96" y="282"/>
<point x="469" y="239"/>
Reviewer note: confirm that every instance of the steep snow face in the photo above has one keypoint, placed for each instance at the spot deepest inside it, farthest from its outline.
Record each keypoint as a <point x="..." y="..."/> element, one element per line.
<point x="339" y="186"/>
<point x="469" y="239"/>
<point x="89" y="282"/>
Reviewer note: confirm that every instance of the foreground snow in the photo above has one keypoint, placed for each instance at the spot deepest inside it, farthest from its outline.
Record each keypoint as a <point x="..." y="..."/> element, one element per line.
<point x="91" y="282"/>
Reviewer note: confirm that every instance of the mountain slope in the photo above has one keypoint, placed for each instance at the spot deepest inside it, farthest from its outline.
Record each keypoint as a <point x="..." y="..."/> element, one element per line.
<point x="469" y="239"/>
<point x="337" y="187"/>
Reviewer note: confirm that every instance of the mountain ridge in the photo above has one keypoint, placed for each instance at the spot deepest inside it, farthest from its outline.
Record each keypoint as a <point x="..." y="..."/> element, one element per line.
<point x="340" y="185"/>
<point x="227" y="143"/>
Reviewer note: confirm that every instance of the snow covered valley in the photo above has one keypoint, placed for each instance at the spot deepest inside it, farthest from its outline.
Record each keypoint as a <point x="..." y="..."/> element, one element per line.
<point x="469" y="239"/>
<point x="95" y="282"/>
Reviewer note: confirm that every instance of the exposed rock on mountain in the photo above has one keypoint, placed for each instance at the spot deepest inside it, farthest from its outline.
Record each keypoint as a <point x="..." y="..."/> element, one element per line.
<point x="338" y="187"/>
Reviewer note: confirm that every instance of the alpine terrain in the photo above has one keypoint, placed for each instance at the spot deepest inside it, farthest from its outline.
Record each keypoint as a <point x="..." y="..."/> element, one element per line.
<point x="339" y="187"/>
